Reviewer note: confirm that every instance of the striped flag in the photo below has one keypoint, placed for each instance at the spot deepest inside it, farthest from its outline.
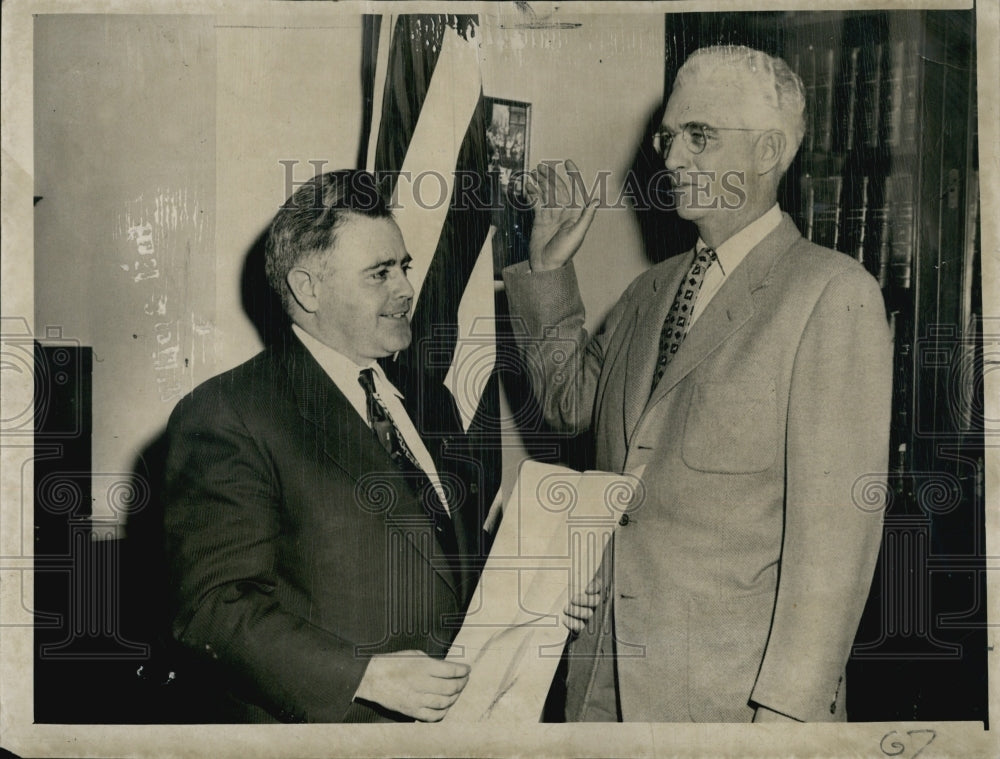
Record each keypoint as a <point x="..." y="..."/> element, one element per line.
<point x="427" y="137"/>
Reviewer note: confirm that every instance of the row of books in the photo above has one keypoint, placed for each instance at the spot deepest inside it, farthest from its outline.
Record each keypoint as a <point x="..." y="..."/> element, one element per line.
<point x="869" y="218"/>
<point x="864" y="96"/>
<point x="857" y="186"/>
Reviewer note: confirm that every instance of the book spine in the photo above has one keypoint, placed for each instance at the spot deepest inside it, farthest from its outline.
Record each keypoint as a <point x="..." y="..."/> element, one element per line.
<point x="849" y="100"/>
<point x="899" y="196"/>
<point x="826" y="210"/>
<point x="911" y="98"/>
<point x="823" y="93"/>
<point x="855" y="218"/>
<point x="806" y="66"/>
<point x="879" y="222"/>
<point x="871" y="97"/>
<point x="896" y="94"/>
<point x="808" y="206"/>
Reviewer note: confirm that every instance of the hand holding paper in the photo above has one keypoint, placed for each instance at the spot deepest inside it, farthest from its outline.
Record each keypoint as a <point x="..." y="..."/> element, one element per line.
<point x="555" y="527"/>
<point x="580" y="607"/>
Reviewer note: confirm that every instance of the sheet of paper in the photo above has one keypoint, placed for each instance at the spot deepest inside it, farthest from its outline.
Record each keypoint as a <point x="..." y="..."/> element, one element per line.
<point x="554" y="529"/>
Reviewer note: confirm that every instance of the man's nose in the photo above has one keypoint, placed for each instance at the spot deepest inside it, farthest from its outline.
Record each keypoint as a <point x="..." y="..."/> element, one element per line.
<point x="677" y="154"/>
<point x="403" y="289"/>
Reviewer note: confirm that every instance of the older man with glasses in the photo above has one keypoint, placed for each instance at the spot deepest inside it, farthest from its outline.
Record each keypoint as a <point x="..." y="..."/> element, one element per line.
<point x="751" y="378"/>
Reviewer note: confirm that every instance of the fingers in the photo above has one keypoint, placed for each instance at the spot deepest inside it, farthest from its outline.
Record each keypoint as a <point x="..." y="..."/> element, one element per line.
<point x="575" y="619"/>
<point x="576" y="611"/>
<point x="560" y="224"/>
<point x="551" y="181"/>
<point x="429" y="715"/>
<point x="575" y="626"/>
<point x="531" y="189"/>
<point x="445" y="688"/>
<point x="413" y="683"/>
<point x="449" y="682"/>
<point x="441" y="689"/>
<point x="587" y="598"/>
<point x="447" y="670"/>
<point x="550" y="188"/>
<point x="579" y="610"/>
<point x="580" y="607"/>
<point x="438" y="702"/>
<point x="583" y="223"/>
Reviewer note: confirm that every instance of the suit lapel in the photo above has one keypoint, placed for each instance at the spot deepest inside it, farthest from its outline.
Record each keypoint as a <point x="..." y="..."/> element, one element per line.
<point x="644" y="346"/>
<point x="350" y="444"/>
<point x="728" y="311"/>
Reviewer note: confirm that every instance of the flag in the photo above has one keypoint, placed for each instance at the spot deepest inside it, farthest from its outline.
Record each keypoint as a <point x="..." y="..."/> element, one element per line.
<point x="426" y="136"/>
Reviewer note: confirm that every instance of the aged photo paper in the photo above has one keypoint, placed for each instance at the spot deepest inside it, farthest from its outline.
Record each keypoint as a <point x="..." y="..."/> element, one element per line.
<point x="146" y="144"/>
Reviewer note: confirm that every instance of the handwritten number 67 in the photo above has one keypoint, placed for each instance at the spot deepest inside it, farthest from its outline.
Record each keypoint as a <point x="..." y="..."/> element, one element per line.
<point x="897" y="746"/>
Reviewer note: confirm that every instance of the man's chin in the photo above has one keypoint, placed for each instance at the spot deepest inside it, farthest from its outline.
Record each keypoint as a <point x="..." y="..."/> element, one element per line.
<point x="400" y="341"/>
<point x="686" y="212"/>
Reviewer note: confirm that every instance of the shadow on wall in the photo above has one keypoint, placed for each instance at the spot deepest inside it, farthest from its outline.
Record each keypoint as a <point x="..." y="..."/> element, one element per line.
<point x="664" y="233"/>
<point x="261" y="304"/>
<point x="169" y="686"/>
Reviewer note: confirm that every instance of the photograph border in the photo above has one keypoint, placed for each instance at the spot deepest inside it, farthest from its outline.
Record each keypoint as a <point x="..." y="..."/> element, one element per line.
<point x="21" y="736"/>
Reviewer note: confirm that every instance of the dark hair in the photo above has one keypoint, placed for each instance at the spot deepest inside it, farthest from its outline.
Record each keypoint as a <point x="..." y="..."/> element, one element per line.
<point x="307" y="222"/>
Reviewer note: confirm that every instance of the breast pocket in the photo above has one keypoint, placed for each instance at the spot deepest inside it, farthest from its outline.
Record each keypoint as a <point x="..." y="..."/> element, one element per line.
<point x="731" y="428"/>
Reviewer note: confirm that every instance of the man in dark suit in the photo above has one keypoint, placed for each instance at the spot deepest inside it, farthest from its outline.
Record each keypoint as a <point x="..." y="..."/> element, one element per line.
<point x="751" y="379"/>
<point x="312" y="542"/>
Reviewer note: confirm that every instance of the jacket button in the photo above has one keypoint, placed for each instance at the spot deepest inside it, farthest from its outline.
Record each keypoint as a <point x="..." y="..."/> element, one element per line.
<point x="624" y="520"/>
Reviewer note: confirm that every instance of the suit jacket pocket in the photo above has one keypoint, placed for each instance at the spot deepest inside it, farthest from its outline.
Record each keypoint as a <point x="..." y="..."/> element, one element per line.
<point x="731" y="428"/>
<point x="726" y="640"/>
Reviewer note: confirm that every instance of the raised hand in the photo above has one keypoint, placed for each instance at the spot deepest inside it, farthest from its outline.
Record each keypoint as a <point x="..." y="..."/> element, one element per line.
<point x="561" y="221"/>
<point x="414" y="684"/>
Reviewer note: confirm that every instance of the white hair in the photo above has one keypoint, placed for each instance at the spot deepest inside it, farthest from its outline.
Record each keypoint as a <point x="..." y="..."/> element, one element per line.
<point x="779" y="88"/>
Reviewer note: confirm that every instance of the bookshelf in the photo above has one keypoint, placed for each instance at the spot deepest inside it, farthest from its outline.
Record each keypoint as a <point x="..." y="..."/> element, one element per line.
<point x="888" y="174"/>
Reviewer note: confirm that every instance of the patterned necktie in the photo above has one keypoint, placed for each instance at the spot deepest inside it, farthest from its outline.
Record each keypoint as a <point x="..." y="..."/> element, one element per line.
<point x="384" y="428"/>
<point x="678" y="321"/>
<point x="391" y="439"/>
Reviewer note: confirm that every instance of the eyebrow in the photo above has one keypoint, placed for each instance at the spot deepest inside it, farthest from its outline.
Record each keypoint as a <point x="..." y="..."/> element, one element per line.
<point x="390" y="262"/>
<point x="686" y="124"/>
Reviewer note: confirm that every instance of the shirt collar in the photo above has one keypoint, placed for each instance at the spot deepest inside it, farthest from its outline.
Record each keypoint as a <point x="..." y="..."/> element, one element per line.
<point x="342" y="370"/>
<point x="735" y="249"/>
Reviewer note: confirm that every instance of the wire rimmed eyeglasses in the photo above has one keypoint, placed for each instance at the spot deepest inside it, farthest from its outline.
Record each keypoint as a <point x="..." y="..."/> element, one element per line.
<point x="695" y="136"/>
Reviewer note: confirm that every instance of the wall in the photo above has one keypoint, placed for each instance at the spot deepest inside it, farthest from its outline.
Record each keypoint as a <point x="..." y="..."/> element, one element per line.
<point x="284" y="94"/>
<point x="592" y="90"/>
<point x="124" y="186"/>
<point x="157" y="149"/>
<point x="158" y="142"/>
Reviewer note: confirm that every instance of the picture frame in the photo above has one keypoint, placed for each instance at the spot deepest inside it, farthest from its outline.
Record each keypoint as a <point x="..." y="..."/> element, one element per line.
<point x="508" y="144"/>
<point x="508" y="139"/>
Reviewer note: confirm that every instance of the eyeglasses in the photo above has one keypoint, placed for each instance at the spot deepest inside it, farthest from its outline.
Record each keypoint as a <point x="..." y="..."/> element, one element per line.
<point x="695" y="137"/>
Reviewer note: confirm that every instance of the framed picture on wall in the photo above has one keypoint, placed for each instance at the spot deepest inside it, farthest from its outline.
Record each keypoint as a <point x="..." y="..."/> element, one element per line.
<point x="508" y="139"/>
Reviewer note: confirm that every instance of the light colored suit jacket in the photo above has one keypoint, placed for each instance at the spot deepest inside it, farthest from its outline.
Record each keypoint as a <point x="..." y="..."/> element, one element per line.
<point x="741" y="577"/>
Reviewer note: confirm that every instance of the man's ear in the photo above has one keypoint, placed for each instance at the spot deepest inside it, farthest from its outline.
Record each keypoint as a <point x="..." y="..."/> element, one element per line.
<point x="304" y="286"/>
<point x="770" y="149"/>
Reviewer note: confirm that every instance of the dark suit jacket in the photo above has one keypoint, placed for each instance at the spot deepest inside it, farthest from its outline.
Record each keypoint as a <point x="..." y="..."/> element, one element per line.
<point x="296" y="549"/>
<point x="741" y="577"/>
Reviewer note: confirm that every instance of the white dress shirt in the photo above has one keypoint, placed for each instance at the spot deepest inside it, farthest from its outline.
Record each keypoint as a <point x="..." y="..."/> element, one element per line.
<point x="730" y="254"/>
<point x="344" y="374"/>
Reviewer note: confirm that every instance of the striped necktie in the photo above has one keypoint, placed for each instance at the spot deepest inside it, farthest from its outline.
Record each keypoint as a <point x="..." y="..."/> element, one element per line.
<point x="678" y="321"/>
